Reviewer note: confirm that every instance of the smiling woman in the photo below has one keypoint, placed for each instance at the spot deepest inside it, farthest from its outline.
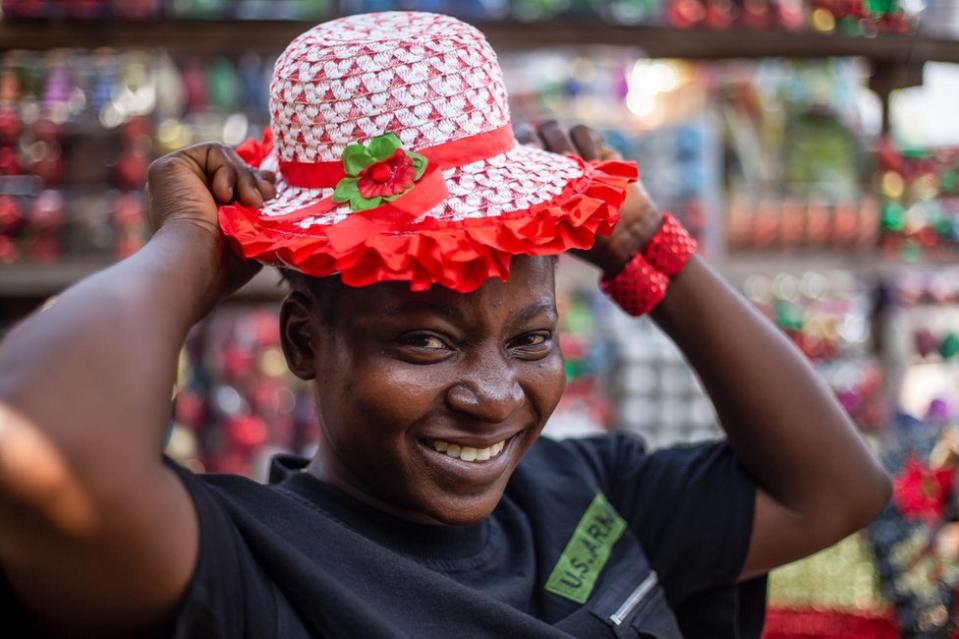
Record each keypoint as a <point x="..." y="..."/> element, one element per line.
<point x="418" y="235"/>
<point x="406" y="374"/>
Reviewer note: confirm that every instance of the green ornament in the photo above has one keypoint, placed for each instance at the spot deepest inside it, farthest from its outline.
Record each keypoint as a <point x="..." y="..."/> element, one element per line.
<point x="911" y="252"/>
<point x="949" y="347"/>
<point x="579" y="320"/>
<point x="948" y="180"/>
<point x="893" y="217"/>
<point x="943" y="226"/>
<point x="224" y="85"/>
<point x="789" y="316"/>
<point x="573" y="369"/>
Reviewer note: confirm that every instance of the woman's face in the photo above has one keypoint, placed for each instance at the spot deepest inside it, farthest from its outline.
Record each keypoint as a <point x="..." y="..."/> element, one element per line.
<point x="427" y="401"/>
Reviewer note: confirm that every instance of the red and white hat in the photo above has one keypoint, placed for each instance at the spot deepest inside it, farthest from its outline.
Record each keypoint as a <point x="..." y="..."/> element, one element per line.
<point x="396" y="160"/>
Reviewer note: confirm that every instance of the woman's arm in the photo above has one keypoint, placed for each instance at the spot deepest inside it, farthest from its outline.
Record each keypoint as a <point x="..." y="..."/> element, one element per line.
<point x="95" y="532"/>
<point x="818" y="481"/>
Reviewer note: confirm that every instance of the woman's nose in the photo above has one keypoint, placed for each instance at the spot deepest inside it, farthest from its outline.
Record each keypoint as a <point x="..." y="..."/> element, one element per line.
<point x="491" y="395"/>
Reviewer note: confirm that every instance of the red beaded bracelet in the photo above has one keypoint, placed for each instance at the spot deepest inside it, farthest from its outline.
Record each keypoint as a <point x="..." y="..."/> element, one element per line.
<point x="642" y="284"/>
<point x="638" y="288"/>
<point x="671" y="247"/>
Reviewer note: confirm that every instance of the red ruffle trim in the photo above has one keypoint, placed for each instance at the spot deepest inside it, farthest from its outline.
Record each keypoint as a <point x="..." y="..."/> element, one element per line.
<point x="459" y="255"/>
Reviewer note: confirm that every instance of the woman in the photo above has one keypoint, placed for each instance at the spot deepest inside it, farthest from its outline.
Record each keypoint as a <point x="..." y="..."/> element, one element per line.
<point x="417" y="237"/>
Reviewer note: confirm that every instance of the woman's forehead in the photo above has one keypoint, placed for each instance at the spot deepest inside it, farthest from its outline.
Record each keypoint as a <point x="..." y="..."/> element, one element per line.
<point x="529" y="291"/>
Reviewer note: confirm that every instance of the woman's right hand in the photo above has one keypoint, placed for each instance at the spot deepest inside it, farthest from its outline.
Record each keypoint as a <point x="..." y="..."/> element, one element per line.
<point x="187" y="187"/>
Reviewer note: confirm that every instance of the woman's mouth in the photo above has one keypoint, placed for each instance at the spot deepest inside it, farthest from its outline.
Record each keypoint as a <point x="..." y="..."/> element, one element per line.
<point x="473" y="465"/>
<point x="468" y="453"/>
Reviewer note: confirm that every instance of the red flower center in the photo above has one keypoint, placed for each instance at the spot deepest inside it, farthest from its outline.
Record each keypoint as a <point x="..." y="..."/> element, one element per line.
<point x="380" y="172"/>
<point x="389" y="177"/>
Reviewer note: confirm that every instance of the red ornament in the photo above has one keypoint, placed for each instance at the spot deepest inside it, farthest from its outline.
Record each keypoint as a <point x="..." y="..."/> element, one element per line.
<point x="686" y="13"/>
<point x="9" y="162"/>
<point x="921" y="492"/>
<point x="389" y="177"/>
<point x="10" y="125"/>
<point x="132" y="168"/>
<point x="11" y="215"/>
<point x="889" y="157"/>
<point x="8" y="250"/>
<point x="246" y="433"/>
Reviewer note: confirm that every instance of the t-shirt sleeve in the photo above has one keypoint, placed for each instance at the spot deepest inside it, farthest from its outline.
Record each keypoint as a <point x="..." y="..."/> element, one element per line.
<point x="210" y="607"/>
<point x="691" y="507"/>
<point x="13" y="615"/>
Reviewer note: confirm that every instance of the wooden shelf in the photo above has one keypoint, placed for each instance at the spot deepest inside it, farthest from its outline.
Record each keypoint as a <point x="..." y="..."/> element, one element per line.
<point x="39" y="281"/>
<point x="224" y="37"/>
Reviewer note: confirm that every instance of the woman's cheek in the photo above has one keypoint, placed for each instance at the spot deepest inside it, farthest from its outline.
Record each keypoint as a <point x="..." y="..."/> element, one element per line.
<point x="396" y="396"/>
<point x="549" y="384"/>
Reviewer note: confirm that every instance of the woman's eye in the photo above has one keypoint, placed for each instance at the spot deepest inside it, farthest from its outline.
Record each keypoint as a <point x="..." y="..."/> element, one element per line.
<point x="532" y="341"/>
<point x="430" y="342"/>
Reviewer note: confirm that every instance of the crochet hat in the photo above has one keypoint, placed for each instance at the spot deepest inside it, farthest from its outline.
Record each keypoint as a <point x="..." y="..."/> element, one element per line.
<point x="396" y="160"/>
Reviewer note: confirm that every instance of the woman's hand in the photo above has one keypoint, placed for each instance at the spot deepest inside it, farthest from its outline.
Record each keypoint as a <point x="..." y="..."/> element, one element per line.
<point x="640" y="219"/>
<point x="185" y="189"/>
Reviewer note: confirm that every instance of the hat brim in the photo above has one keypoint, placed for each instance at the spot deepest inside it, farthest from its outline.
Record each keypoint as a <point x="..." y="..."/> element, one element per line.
<point x="523" y="202"/>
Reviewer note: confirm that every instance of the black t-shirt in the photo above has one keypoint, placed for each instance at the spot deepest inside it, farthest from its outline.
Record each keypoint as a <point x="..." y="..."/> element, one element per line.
<point x="593" y="538"/>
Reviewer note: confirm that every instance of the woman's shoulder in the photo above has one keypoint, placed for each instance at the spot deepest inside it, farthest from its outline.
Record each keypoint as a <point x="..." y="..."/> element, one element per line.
<point x="594" y="456"/>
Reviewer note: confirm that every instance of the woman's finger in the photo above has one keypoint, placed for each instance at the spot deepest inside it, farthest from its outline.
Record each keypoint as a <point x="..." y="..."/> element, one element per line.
<point x="267" y="189"/>
<point x="603" y="150"/>
<point x="525" y="134"/>
<point x="223" y="184"/>
<point x="248" y="193"/>
<point x="585" y="142"/>
<point x="555" y="137"/>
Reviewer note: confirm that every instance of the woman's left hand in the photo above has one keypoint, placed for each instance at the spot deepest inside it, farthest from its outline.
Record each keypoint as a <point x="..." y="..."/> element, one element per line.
<point x="639" y="217"/>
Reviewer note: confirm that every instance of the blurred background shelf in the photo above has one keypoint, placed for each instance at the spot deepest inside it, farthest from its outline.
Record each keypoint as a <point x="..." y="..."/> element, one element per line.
<point x="219" y="37"/>
<point x="38" y="281"/>
<point x="30" y="282"/>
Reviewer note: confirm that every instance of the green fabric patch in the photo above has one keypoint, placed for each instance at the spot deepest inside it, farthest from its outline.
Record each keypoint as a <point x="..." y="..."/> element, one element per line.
<point x="587" y="551"/>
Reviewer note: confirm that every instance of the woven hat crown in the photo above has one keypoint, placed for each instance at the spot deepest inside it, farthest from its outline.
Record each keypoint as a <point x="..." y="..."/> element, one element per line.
<point x="427" y="78"/>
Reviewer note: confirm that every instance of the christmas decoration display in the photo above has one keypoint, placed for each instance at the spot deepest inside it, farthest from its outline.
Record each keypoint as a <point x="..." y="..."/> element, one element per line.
<point x="920" y="208"/>
<point x="847" y="17"/>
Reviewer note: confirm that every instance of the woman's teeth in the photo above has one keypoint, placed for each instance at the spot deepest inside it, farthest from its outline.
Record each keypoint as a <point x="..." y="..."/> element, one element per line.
<point x="468" y="453"/>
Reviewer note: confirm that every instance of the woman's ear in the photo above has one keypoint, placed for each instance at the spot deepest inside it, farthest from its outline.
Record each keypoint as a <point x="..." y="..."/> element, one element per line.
<point x="296" y="334"/>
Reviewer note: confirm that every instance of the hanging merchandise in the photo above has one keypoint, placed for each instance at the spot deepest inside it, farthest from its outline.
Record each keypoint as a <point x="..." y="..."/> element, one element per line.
<point x="795" y="159"/>
<point x="472" y="11"/>
<point x="916" y="538"/>
<point x="833" y="594"/>
<point x="60" y="109"/>
<point x="588" y="356"/>
<point x="828" y="317"/>
<point x="657" y="394"/>
<point x="861" y="17"/>
<point x="927" y="354"/>
<point x="651" y="111"/>
<point x="84" y="9"/>
<point x="846" y="17"/>
<point x="920" y="209"/>
<point x="237" y="403"/>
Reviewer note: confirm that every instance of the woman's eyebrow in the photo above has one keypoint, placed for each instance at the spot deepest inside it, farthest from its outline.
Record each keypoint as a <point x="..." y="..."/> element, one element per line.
<point x="534" y="310"/>
<point x="454" y="312"/>
<point x="416" y="306"/>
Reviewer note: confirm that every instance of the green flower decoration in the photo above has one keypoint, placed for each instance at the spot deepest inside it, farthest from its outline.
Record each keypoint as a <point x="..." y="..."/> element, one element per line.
<point x="378" y="172"/>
